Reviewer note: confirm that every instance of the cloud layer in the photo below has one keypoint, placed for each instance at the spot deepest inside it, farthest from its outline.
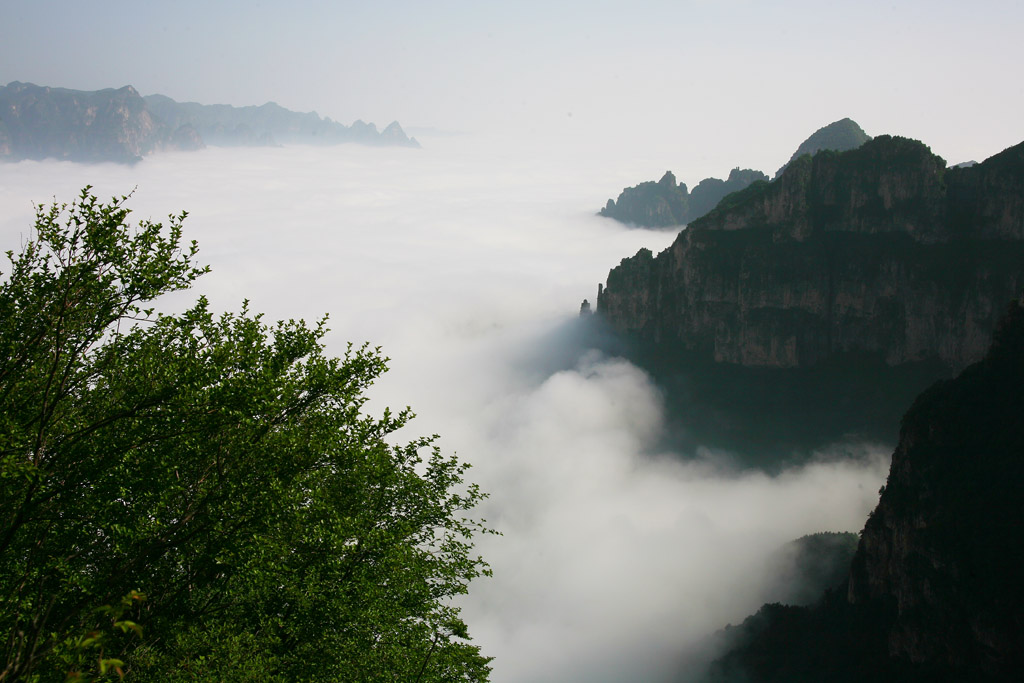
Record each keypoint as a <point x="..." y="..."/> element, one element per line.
<point x="468" y="269"/>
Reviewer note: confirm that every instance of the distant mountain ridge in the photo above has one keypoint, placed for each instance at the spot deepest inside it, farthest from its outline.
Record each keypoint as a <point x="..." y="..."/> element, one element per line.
<point x="102" y="125"/>
<point x="269" y="124"/>
<point x="665" y="204"/>
<point x="39" y="122"/>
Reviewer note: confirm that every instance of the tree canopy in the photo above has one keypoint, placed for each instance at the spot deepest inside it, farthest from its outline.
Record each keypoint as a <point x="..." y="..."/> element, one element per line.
<point x="204" y="497"/>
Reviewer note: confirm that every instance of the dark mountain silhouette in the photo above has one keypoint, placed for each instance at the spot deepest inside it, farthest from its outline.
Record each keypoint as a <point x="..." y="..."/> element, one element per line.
<point x="812" y="309"/>
<point x="880" y="250"/>
<point x="666" y="203"/>
<point x="934" y="591"/>
<point x="839" y="136"/>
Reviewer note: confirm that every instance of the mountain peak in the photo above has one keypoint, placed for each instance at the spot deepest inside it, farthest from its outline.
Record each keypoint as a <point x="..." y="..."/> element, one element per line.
<point x="841" y="135"/>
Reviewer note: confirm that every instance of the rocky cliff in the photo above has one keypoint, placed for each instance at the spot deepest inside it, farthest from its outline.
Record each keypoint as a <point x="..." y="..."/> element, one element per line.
<point x="103" y="125"/>
<point x="121" y="125"/>
<point x="943" y="550"/>
<point x="667" y="203"/>
<point x="934" y="590"/>
<point x="881" y="249"/>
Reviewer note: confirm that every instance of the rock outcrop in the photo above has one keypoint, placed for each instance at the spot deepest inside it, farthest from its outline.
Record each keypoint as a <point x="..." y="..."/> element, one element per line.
<point x="120" y="125"/>
<point x="880" y="250"/>
<point x="667" y="203"/>
<point x="839" y="136"/>
<point x="651" y="204"/>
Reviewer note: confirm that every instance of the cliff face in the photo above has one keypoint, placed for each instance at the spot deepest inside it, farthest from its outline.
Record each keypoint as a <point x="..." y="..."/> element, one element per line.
<point x="943" y="549"/>
<point x="934" y="590"/>
<point x="666" y="203"/>
<point x="102" y="125"/>
<point x="881" y="249"/>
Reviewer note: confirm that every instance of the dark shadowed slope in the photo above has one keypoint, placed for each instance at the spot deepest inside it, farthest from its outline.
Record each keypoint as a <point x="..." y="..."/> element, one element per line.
<point x="934" y="592"/>
<point x="838" y="136"/>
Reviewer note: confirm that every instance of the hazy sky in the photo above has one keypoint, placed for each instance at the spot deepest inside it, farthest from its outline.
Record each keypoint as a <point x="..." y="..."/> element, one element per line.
<point x="711" y="84"/>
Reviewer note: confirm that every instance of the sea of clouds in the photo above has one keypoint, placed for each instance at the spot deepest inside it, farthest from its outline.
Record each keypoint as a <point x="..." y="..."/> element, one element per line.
<point x="467" y="266"/>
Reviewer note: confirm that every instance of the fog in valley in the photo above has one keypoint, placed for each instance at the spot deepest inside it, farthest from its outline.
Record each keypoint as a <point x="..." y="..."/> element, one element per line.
<point x="629" y="530"/>
<point x="466" y="262"/>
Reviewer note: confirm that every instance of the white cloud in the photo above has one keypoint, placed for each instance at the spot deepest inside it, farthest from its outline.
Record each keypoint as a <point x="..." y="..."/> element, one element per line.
<point x="468" y="268"/>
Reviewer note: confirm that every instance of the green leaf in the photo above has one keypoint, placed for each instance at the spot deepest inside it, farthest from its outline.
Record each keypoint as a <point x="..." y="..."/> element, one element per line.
<point x="213" y="477"/>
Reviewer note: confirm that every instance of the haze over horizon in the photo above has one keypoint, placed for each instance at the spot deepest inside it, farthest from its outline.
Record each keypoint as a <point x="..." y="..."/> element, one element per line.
<point x="699" y="86"/>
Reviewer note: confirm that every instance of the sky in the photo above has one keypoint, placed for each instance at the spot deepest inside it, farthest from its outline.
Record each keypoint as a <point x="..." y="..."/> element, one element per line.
<point x="700" y="85"/>
<point x="466" y="260"/>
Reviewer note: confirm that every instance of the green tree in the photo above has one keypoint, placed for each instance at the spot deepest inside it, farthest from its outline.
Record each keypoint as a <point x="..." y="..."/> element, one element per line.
<point x="221" y="467"/>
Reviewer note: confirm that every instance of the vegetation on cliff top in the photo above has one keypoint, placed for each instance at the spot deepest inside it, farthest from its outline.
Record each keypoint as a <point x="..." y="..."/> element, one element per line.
<point x="838" y="136"/>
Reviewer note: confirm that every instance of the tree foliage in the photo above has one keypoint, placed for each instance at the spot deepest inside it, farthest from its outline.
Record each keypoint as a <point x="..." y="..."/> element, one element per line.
<point x="220" y="472"/>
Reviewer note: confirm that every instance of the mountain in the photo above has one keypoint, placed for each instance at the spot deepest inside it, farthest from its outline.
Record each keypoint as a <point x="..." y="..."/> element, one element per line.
<point x="666" y="203"/>
<point x="103" y="125"/>
<point x="120" y="125"/>
<point x="839" y="136"/>
<point x="269" y="124"/>
<point x="881" y="250"/>
<point x="943" y="550"/>
<point x="803" y="569"/>
<point x="934" y="590"/>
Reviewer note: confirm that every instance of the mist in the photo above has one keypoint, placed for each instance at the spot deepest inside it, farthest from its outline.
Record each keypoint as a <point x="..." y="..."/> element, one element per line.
<point x="467" y="267"/>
